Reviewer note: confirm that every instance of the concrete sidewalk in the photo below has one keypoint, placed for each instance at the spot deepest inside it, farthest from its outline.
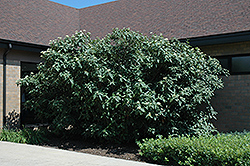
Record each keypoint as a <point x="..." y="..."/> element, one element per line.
<point x="13" y="154"/>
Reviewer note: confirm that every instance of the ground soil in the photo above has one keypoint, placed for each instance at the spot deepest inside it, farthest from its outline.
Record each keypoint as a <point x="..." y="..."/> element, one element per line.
<point x="125" y="151"/>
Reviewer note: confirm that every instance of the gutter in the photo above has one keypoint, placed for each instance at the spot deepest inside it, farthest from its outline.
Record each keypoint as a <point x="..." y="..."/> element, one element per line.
<point x="23" y="46"/>
<point x="16" y="45"/>
<point x="4" y="81"/>
<point x="218" y="39"/>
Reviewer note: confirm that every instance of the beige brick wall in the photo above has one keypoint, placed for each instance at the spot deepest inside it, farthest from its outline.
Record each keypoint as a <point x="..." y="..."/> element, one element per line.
<point x="227" y="49"/>
<point x="1" y="93"/>
<point x="233" y="102"/>
<point x="13" y="72"/>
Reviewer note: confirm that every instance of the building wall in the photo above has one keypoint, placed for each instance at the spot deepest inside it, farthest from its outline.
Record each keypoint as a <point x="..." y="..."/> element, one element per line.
<point x="13" y="73"/>
<point x="1" y="93"/>
<point x="233" y="102"/>
<point x="227" y="49"/>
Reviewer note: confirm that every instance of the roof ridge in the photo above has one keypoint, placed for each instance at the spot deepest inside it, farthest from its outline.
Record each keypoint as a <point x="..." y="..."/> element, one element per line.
<point x="99" y="4"/>
<point x="62" y="4"/>
<point x="84" y="7"/>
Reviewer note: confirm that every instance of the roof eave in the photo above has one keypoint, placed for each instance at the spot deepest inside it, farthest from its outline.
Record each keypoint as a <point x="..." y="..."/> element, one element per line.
<point x="219" y="39"/>
<point x="17" y="45"/>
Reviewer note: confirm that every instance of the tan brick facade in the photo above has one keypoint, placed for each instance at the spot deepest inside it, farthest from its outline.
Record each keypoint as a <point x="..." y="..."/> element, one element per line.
<point x="1" y="93"/>
<point x="227" y="49"/>
<point x="13" y="73"/>
<point x="13" y="70"/>
<point x="233" y="102"/>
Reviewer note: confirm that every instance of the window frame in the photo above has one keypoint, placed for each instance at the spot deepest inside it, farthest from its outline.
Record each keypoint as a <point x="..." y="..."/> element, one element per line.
<point x="230" y="62"/>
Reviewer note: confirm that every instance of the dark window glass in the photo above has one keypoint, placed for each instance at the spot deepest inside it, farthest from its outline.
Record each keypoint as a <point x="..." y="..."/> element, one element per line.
<point x="27" y="68"/>
<point x="27" y="116"/>
<point x="224" y="61"/>
<point x="241" y="64"/>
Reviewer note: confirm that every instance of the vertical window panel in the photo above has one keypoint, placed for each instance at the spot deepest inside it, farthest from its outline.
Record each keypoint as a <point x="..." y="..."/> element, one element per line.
<point x="224" y="61"/>
<point x="241" y="64"/>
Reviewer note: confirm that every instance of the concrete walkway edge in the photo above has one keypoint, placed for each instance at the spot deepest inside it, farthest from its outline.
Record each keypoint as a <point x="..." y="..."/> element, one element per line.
<point x="32" y="155"/>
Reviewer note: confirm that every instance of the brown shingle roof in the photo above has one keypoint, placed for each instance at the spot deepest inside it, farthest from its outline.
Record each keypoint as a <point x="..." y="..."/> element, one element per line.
<point x="38" y="21"/>
<point x="172" y="18"/>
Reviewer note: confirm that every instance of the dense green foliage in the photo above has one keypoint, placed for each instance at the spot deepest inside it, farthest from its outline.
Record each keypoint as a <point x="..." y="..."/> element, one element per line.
<point x="24" y="136"/>
<point x="12" y="136"/>
<point x="123" y="87"/>
<point x="222" y="149"/>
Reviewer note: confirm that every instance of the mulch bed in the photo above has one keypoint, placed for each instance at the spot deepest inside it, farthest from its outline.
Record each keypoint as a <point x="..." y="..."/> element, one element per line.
<point x="128" y="151"/>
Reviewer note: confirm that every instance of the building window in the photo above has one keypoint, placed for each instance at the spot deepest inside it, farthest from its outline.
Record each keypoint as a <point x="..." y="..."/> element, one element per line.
<point x="27" y="68"/>
<point x="27" y="116"/>
<point x="236" y="64"/>
<point x="225" y="62"/>
<point x="241" y="64"/>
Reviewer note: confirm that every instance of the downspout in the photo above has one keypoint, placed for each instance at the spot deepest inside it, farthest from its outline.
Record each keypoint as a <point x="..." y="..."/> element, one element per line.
<point x="4" y="81"/>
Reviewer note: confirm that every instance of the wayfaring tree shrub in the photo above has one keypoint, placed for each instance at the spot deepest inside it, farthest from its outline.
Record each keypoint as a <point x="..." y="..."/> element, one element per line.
<point x="124" y="87"/>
